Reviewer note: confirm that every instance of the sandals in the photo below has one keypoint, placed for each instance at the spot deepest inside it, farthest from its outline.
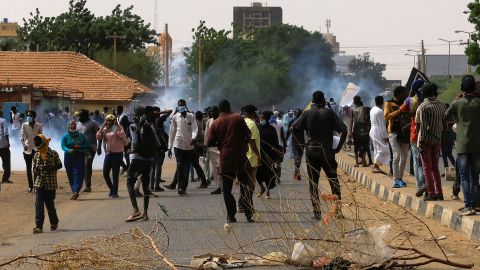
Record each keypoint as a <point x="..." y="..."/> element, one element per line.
<point x="134" y="217"/>
<point x="75" y="196"/>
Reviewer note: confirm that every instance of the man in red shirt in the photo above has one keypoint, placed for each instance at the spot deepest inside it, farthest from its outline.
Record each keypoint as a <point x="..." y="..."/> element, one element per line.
<point x="231" y="135"/>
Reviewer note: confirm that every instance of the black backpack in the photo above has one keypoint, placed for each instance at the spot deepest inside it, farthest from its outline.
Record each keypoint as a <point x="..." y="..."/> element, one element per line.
<point x="146" y="139"/>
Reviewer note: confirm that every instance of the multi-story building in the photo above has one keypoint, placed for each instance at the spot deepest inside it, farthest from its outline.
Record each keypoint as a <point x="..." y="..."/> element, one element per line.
<point x="256" y="16"/>
<point x="164" y="45"/>
<point x="8" y="29"/>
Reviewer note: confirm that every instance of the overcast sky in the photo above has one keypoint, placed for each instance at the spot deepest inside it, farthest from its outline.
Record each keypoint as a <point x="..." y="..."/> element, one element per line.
<point x="385" y="28"/>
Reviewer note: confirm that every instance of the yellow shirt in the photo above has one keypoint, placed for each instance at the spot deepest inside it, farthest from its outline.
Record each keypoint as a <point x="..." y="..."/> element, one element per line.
<point x="252" y="157"/>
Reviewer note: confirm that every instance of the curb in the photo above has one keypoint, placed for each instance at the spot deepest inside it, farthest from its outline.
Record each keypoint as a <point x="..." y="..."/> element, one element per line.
<point x="446" y="216"/>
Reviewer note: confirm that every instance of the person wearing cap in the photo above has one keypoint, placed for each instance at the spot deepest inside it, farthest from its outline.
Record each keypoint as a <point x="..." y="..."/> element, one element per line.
<point x="114" y="140"/>
<point x="319" y="152"/>
<point x="464" y="111"/>
<point x="410" y="105"/>
<point x="430" y="126"/>
<point x="46" y="163"/>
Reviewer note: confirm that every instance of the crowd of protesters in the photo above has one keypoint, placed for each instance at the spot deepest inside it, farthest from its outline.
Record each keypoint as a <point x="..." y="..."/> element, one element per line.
<point x="249" y="147"/>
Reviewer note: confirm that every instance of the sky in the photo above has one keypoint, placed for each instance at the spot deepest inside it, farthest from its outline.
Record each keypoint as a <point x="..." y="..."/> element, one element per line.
<point x="385" y="28"/>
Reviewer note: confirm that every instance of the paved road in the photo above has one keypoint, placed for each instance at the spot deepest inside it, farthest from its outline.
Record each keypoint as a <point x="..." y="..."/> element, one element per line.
<point x="195" y="223"/>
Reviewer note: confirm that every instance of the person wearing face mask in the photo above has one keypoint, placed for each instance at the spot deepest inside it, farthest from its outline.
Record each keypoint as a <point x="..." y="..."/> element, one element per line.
<point x="28" y="131"/>
<point x="75" y="146"/>
<point x="378" y="135"/>
<point x="46" y="163"/>
<point x="89" y="129"/>
<point x="183" y="130"/>
<point x="271" y="154"/>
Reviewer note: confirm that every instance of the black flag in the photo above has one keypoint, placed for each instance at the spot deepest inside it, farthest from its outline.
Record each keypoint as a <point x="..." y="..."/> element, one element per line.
<point x="416" y="74"/>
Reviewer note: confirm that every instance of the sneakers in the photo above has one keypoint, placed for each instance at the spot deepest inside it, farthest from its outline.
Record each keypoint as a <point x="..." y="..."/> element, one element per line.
<point x="468" y="212"/>
<point x="421" y="191"/>
<point x="37" y="230"/>
<point x="455" y="198"/>
<point x="87" y="189"/>
<point x="402" y="183"/>
<point x="396" y="184"/>
<point x="430" y="198"/>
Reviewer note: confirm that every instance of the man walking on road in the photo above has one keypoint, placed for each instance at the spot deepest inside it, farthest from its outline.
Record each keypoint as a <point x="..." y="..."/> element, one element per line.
<point x="89" y="129"/>
<point x="398" y="134"/>
<point x="183" y="130"/>
<point x="379" y="136"/>
<point x="319" y="152"/>
<point x="429" y="121"/>
<point x="231" y="135"/>
<point x="465" y="111"/>
<point x="144" y="146"/>
<point x="28" y="131"/>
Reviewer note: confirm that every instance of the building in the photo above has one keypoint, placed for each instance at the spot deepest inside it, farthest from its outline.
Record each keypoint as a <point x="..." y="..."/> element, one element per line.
<point x="437" y="65"/>
<point x="8" y="29"/>
<point x="256" y="16"/>
<point x="332" y="40"/>
<point x="54" y="80"/>
<point x="161" y="47"/>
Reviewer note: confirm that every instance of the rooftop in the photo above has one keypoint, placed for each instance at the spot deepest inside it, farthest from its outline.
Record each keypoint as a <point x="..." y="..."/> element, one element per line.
<point x="68" y="71"/>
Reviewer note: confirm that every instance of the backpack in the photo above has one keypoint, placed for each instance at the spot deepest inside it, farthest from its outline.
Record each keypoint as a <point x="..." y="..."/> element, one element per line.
<point x="147" y="142"/>
<point x="404" y="123"/>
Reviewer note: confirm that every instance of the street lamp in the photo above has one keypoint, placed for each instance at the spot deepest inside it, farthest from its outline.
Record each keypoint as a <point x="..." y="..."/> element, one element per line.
<point x="414" y="58"/>
<point x="468" y="43"/>
<point x="449" y="44"/>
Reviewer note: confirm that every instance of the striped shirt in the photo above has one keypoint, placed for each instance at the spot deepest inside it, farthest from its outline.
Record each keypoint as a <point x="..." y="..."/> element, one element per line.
<point x="429" y="119"/>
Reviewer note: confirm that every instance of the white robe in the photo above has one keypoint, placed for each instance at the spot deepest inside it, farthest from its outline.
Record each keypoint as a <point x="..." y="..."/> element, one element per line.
<point x="378" y="134"/>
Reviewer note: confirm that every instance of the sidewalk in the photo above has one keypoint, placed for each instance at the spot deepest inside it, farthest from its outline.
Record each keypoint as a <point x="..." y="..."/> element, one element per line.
<point x="446" y="212"/>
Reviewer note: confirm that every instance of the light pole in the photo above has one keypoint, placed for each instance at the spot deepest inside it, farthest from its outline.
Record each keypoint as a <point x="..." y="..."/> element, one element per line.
<point x="449" y="45"/>
<point x="468" y="43"/>
<point x="418" y="56"/>
<point x="414" y="58"/>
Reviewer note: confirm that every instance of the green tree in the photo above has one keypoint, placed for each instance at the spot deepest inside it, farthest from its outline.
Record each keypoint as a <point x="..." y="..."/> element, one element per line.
<point x="364" y="68"/>
<point x="134" y="64"/>
<point x="11" y="44"/>
<point x="79" y="30"/>
<point x="263" y="67"/>
<point x="473" y="48"/>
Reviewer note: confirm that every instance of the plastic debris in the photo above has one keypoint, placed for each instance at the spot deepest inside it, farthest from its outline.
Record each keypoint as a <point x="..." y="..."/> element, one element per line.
<point x="303" y="254"/>
<point x="368" y="247"/>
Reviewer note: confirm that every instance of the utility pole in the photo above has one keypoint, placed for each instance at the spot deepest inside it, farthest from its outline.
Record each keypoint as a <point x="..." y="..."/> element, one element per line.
<point x="199" y="74"/>
<point x="115" y="37"/>
<point x="167" y="58"/>
<point x="424" y="60"/>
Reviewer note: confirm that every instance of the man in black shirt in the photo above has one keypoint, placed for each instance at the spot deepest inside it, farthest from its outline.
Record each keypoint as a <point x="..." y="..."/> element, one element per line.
<point x="320" y="124"/>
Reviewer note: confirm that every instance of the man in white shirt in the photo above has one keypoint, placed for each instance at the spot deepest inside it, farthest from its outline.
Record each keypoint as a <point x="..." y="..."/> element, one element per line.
<point x="5" y="150"/>
<point x="15" y="120"/>
<point x="28" y="131"/>
<point x="183" y="130"/>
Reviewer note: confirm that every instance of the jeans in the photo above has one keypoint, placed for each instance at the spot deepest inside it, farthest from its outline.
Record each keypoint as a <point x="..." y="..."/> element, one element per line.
<point x="156" y="173"/>
<point x="6" y="164"/>
<point x="45" y="198"/>
<point x="417" y="166"/>
<point x="400" y="156"/>
<point x="139" y="167"/>
<point x="469" y="169"/>
<point x="28" y="162"/>
<point x="430" y="156"/>
<point x="457" y="183"/>
<point x="297" y="156"/>
<point x="314" y="166"/>
<point x="447" y="149"/>
<point x="246" y="202"/>
<point x="112" y="163"/>
<point x="75" y="168"/>
<point x="184" y="159"/>
<point x="88" y="168"/>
